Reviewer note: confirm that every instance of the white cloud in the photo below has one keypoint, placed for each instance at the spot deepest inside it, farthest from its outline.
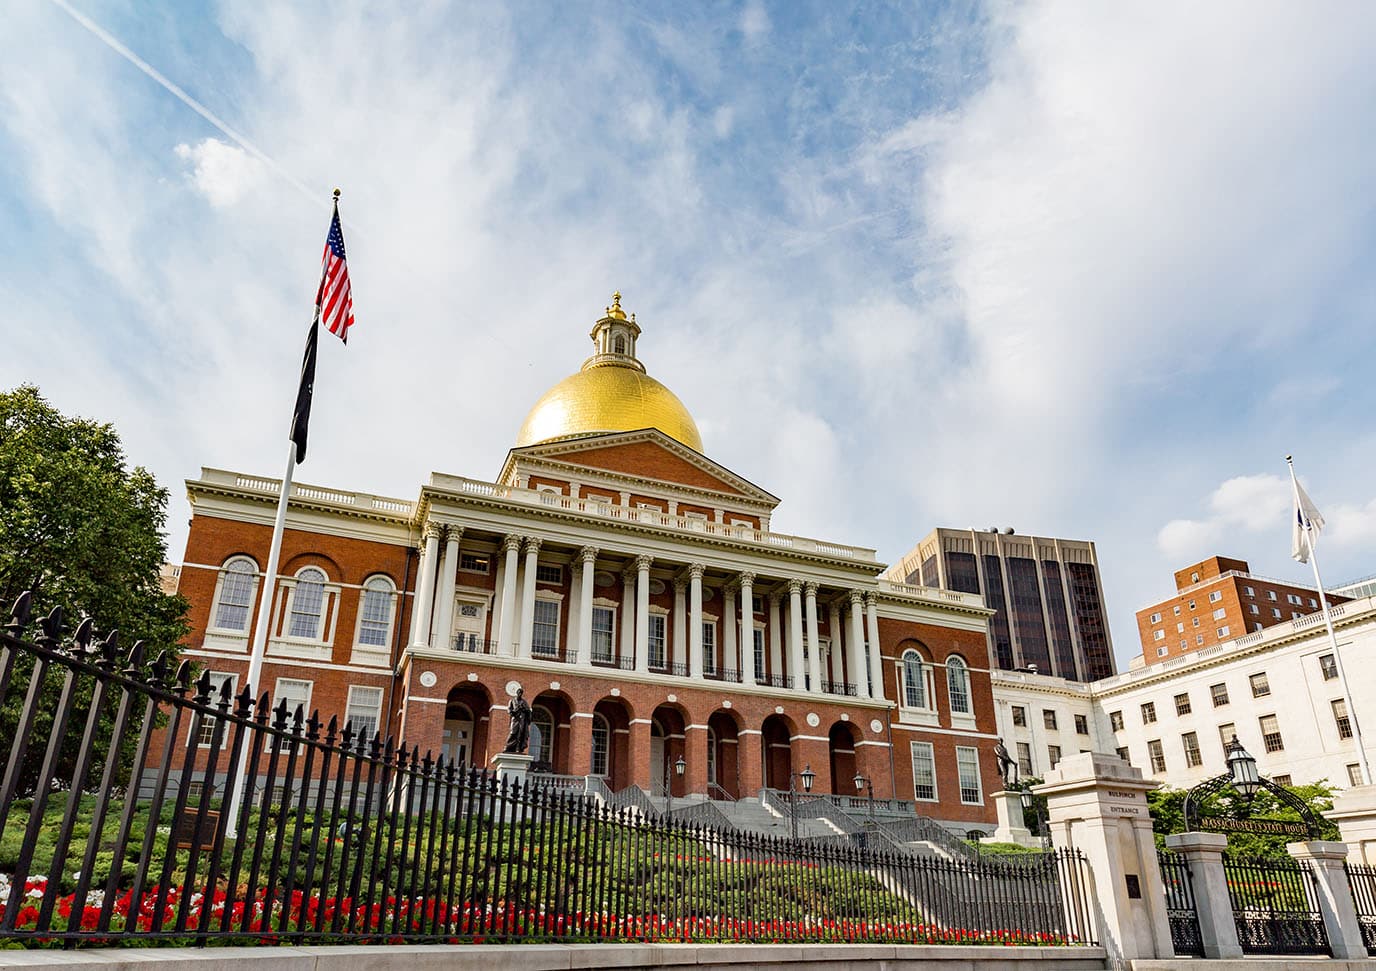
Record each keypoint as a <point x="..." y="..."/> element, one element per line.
<point x="754" y="22"/>
<point x="222" y="172"/>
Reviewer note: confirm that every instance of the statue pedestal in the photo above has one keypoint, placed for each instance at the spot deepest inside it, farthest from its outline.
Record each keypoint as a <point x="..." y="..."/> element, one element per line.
<point x="512" y="768"/>
<point x="1011" y="828"/>
<point x="512" y="785"/>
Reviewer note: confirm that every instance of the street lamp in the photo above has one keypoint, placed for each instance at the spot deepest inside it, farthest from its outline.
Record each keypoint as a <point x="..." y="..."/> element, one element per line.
<point x="679" y="766"/>
<point x="860" y="783"/>
<point x="1028" y="803"/>
<point x="807" y="775"/>
<point x="1243" y="768"/>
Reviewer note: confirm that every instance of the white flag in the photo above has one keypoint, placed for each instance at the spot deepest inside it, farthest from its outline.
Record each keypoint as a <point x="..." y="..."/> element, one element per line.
<point x="1308" y="523"/>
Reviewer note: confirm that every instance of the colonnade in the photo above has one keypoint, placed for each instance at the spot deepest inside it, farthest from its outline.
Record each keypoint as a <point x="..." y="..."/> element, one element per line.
<point x="795" y="649"/>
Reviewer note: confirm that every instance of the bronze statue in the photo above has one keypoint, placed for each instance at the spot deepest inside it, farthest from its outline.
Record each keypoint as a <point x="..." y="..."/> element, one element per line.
<point x="1006" y="763"/>
<point x="518" y="739"/>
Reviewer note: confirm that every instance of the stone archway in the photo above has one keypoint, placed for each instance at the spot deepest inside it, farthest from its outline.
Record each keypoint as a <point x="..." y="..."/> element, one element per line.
<point x="609" y="756"/>
<point x="464" y="741"/>
<point x="841" y="748"/>
<point x="723" y="751"/>
<point x="776" y="735"/>
<point x="668" y="730"/>
<point x="550" y="732"/>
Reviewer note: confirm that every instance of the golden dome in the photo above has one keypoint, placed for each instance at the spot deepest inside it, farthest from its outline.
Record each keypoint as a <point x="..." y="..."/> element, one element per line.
<point x="612" y="393"/>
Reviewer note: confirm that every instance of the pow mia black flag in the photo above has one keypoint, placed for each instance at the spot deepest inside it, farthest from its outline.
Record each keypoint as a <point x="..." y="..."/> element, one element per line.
<point x="301" y="418"/>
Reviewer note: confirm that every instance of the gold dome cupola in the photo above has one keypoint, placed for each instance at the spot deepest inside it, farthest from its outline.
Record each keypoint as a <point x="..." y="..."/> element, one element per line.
<point x="610" y="393"/>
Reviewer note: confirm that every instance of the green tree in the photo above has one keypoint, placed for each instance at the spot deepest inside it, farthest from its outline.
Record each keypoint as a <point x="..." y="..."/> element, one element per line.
<point x="82" y="529"/>
<point x="1167" y="807"/>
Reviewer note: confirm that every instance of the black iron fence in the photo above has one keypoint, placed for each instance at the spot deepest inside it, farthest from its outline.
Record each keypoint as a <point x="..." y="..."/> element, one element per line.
<point x="1180" y="904"/>
<point x="346" y="837"/>
<point x="1362" y="879"/>
<point x="1275" y="906"/>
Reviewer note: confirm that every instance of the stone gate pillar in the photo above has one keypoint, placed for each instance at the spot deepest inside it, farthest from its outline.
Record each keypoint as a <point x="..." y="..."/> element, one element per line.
<point x="1203" y="853"/>
<point x="1354" y="811"/>
<point x="1097" y="804"/>
<point x="1335" y="896"/>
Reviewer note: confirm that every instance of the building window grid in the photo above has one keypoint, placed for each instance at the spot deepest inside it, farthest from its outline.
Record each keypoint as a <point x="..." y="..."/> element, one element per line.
<point x="1081" y="724"/>
<point x="364" y="710"/>
<point x="709" y="648"/>
<point x="1148" y="712"/>
<point x="1025" y="768"/>
<point x="914" y="686"/>
<point x="1182" y="704"/>
<point x="474" y="563"/>
<point x="958" y="685"/>
<point x="1328" y="666"/>
<point x="544" y="640"/>
<point x="1354" y="774"/>
<point x="375" y="625"/>
<point x="1158" y="756"/>
<point x="1053" y="756"/>
<point x="601" y="747"/>
<point x="967" y="766"/>
<point x="1270" y="733"/>
<point x="1019" y="716"/>
<point x="1115" y="720"/>
<point x="1219" y="694"/>
<point x="1190" y="743"/>
<point x="307" y="605"/>
<point x="1049" y="719"/>
<point x="1261" y="686"/>
<point x="924" y="771"/>
<point x="1226" y="733"/>
<point x="1341" y="719"/>
<point x="657" y="659"/>
<point x="236" y="595"/>
<point x="603" y="633"/>
<point x="206" y="734"/>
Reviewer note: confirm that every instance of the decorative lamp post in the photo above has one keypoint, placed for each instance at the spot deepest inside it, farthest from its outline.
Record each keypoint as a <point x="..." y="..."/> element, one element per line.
<point x="1028" y="803"/>
<point x="808" y="776"/>
<point x="1243" y="769"/>
<point x="860" y="783"/>
<point x="679" y="767"/>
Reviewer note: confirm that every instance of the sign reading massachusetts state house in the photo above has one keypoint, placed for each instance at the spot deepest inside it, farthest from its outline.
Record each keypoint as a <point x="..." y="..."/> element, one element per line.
<point x="1264" y="827"/>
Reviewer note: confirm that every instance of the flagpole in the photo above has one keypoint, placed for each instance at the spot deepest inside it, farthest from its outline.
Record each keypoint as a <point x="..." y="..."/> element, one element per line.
<point x="1332" y="636"/>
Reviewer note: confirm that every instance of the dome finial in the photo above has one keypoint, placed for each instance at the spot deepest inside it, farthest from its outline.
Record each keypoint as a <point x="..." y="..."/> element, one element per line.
<point x="615" y="309"/>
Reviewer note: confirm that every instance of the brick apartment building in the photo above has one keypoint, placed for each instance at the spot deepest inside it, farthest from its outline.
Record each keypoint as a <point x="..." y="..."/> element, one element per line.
<point x="631" y="586"/>
<point x="1217" y="600"/>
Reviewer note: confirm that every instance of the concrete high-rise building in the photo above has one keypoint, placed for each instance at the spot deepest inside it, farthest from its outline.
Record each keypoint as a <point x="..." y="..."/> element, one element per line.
<point x="1047" y="595"/>
<point x="1217" y="600"/>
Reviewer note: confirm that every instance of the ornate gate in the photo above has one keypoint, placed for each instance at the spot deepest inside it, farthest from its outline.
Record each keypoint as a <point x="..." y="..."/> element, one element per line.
<point x="1275" y="906"/>
<point x="1180" y="906"/>
<point x="1362" y="879"/>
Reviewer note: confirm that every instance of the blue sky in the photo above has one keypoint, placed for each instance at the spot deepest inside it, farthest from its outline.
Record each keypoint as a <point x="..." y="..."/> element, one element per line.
<point x="1086" y="270"/>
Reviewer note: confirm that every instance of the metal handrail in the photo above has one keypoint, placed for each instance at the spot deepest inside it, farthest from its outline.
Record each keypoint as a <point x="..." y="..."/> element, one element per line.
<point x="473" y="644"/>
<point x="614" y="661"/>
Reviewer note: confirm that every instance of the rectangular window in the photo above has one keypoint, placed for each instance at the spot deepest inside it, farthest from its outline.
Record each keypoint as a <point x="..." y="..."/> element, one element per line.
<point x="1190" y="742"/>
<point x="1270" y="733"/>
<point x="1158" y="635"/>
<point x="1283" y="780"/>
<point x="1340" y="718"/>
<point x="1328" y="666"/>
<point x="1194" y="621"/>
<point x="364" y="710"/>
<point x="549" y="573"/>
<point x="1123" y="753"/>
<point x="1271" y="595"/>
<point x="1182" y="704"/>
<point x="1053" y="755"/>
<point x="601" y="747"/>
<point x="1176" y="611"/>
<point x="1162" y="651"/>
<point x="759" y="652"/>
<point x="1155" y="618"/>
<point x="1290" y="598"/>
<point x="1081" y="724"/>
<point x="1313" y="603"/>
<point x="603" y="633"/>
<point x="1199" y="639"/>
<point x="1219" y="693"/>
<point x="1115" y="720"/>
<point x="1260" y="686"/>
<point x="297" y="695"/>
<point x="1049" y="719"/>
<point x="1253" y="609"/>
<point x="1220" y="613"/>
<point x="1158" y="756"/>
<point x="1148" y="712"/>
<point x="1192" y="605"/>
<point x="545" y="639"/>
<point x="657" y="640"/>
<point x="1226" y="733"/>
<point x="1354" y="774"/>
<point x="1256" y="626"/>
<point x="1223" y="631"/>
<point x="709" y="647"/>
<point x="1216" y="596"/>
<point x="924" y="772"/>
<point x="967" y="765"/>
<point x="1275" y="613"/>
<point x="1019" y="716"/>
<point x="1025" y="769"/>
<point x="193" y="793"/>
<point x="1249" y="591"/>
<point x="206" y="735"/>
<point x="475" y="563"/>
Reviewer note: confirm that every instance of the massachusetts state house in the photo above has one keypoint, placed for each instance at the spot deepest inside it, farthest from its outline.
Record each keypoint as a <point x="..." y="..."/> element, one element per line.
<point x="632" y="587"/>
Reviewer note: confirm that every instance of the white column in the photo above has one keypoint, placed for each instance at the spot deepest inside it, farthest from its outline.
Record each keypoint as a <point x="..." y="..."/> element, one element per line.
<point x="627" y="623"/>
<point x="532" y="550"/>
<point x="444" y="623"/>
<point x="1336" y="905"/>
<point x="814" y="660"/>
<point x="833" y="671"/>
<point x="680" y="620"/>
<point x="506" y="632"/>
<point x="795" y="634"/>
<point x="747" y="582"/>
<point x="642" y="612"/>
<point x="727" y="627"/>
<point x="855" y="646"/>
<point x="425" y="587"/>
<point x="695" y="620"/>
<point x="776" y="634"/>
<point x="872" y="627"/>
<point x="588" y="557"/>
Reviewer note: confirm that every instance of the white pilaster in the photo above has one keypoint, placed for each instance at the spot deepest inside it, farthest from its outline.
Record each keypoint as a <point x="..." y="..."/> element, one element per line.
<point x="876" y="663"/>
<point x="425" y="588"/>
<point x="449" y="566"/>
<point x="627" y="622"/>
<point x="695" y="620"/>
<point x="832" y="671"/>
<point x="642" y="612"/>
<point x="680" y="651"/>
<point x="814" y="659"/>
<point x="727" y="628"/>
<point x="776" y="634"/>
<point x="795" y="635"/>
<point x="855" y="646"/>
<point x="747" y="583"/>
<point x="532" y="551"/>
<point x="587" y="556"/>
<point x="506" y="631"/>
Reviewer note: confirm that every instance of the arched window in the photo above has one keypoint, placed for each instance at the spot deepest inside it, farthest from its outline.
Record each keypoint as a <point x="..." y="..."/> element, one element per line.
<point x="914" y="681"/>
<point x="236" y="594"/>
<point x="375" y="614"/>
<point x="619" y="345"/>
<point x="308" y="604"/>
<point x="542" y="737"/>
<point x="958" y="685"/>
<point x="601" y="746"/>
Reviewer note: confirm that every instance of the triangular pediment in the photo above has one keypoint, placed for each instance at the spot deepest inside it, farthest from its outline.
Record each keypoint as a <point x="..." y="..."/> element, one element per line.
<point x="646" y="454"/>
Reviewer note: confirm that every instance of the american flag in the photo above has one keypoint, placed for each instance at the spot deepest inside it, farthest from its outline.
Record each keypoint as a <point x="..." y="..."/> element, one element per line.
<point x="334" y="301"/>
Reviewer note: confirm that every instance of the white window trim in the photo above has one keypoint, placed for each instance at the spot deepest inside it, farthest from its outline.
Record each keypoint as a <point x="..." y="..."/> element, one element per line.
<point x="373" y="653"/>
<point x="214" y="700"/>
<point x="979" y="783"/>
<point x="317" y="648"/>
<point x="557" y="600"/>
<point x="912" y="758"/>
<point x="381" y="701"/>
<point x="469" y="569"/>
<point x="230" y="632"/>
<point x="907" y="713"/>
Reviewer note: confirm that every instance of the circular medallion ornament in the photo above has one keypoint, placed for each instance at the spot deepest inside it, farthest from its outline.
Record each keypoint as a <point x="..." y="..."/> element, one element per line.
<point x="554" y="686"/>
<point x="876" y="726"/>
<point x="472" y="675"/>
<point x="726" y="703"/>
<point x="778" y="709"/>
<point x="428" y="679"/>
<point x="616" y="692"/>
<point x="512" y="687"/>
<point x="708" y="594"/>
<point x="603" y="579"/>
<point x="673" y="698"/>
<point x="845" y="716"/>
<point x="656" y="587"/>
<point x="813" y="720"/>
